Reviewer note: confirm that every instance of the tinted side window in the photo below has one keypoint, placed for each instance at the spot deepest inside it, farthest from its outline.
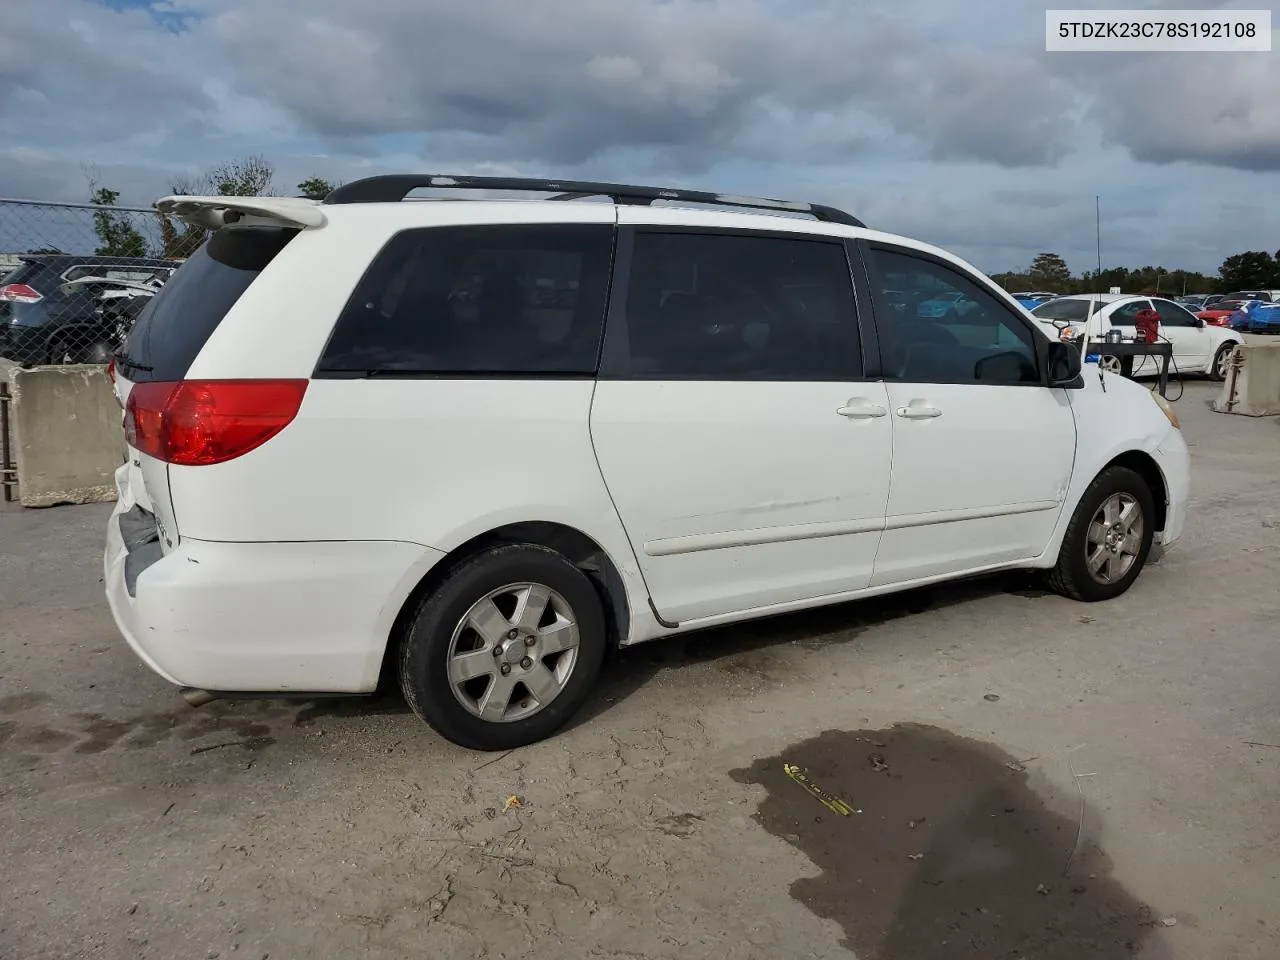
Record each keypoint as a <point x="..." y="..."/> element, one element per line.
<point x="501" y="299"/>
<point x="704" y="306"/>
<point x="1123" y="316"/>
<point x="1173" y="314"/>
<point x="177" y="322"/>
<point x="938" y="326"/>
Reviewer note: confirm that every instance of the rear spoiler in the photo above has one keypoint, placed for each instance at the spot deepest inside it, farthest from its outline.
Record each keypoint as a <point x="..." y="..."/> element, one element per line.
<point x="214" y="212"/>
<point x="108" y="282"/>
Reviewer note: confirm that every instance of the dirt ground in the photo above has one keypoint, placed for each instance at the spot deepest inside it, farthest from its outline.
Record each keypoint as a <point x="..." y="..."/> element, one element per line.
<point x="980" y="770"/>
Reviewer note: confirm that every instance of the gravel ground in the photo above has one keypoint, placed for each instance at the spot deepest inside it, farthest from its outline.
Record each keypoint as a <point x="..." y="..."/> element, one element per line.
<point x="980" y="770"/>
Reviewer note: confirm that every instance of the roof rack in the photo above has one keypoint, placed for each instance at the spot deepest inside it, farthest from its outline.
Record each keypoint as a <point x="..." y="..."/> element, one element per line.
<point x="392" y="188"/>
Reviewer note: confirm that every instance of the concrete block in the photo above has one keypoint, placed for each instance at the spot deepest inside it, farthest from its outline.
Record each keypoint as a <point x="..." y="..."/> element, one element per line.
<point x="1252" y="386"/>
<point x="67" y="434"/>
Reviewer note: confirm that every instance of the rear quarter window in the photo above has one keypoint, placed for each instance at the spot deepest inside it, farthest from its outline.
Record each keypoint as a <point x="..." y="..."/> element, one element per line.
<point x="178" y="321"/>
<point x="478" y="300"/>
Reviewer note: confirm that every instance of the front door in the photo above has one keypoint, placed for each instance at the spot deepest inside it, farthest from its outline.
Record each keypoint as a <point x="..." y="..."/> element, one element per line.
<point x="1191" y="341"/>
<point x="748" y="459"/>
<point x="982" y="449"/>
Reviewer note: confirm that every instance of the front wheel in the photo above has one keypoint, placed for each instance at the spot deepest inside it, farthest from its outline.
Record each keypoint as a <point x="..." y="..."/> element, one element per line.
<point x="1111" y="364"/>
<point x="1108" y="539"/>
<point x="505" y="650"/>
<point x="1222" y="361"/>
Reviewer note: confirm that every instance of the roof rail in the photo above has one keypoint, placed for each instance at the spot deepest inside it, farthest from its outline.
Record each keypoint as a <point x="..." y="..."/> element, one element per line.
<point x="392" y="188"/>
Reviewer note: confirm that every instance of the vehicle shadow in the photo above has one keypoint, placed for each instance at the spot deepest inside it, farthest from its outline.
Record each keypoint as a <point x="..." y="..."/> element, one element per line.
<point x="630" y="669"/>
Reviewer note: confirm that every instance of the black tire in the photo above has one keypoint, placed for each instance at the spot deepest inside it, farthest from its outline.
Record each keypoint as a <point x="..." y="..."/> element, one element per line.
<point x="1216" y="371"/>
<point x="425" y="649"/>
<point x="1071" y="576"/>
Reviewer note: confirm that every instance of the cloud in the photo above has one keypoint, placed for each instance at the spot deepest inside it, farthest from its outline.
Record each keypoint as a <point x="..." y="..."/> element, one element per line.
<point x="562" y="82"/>
<point x="945" y="121"/>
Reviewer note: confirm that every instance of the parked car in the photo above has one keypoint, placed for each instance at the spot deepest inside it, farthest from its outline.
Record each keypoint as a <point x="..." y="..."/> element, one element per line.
<point x="1198" y="347"/>
<point x="1267" y="296"/>
<point x="1073" y="310"/>
<point x="57" y="308"/>
<point x="727" y="420"/>
<point x="1193" y="302"/>
<point x="1220" y="312"/>
<point x="1034" y="298"/>
<point x="1261" y="318"/>
<point x="947" y="306"/>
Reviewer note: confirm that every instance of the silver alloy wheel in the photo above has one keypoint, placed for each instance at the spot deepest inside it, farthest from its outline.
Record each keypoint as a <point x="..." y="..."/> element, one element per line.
<point x="512" y="653"/>
<point x="1224" y="361"/>
<point x="1110" y="364"/>
<point x="1115" y="538"/>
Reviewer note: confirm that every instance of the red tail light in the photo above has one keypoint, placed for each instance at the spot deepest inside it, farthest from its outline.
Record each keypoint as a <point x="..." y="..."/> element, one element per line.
<point x="195" y="423"/>
<point x="20" y="293"/>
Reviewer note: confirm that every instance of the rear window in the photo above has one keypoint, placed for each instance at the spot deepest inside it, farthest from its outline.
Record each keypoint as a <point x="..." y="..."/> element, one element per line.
<point x="477" y="300"/>
<point x="176" y="324"/>
<point x="1073" y="310"/>
<point x="22" y="273"/>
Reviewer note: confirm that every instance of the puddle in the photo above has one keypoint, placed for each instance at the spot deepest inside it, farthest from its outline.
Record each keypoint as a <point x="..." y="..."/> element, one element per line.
<point x="952" y="856"/>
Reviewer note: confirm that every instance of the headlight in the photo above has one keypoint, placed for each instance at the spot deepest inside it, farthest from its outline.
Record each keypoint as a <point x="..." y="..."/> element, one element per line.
<point x="1167" y="409"/>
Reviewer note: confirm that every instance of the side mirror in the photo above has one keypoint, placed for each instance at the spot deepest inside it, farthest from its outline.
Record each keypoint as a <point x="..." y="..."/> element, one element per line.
<point x="1065" y="365"/>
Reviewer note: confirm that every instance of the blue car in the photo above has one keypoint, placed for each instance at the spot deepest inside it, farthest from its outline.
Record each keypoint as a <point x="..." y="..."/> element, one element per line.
<point x="1034" y="299"/>
<point x="1239" y="318"/>
<point x="1263" y="318"/>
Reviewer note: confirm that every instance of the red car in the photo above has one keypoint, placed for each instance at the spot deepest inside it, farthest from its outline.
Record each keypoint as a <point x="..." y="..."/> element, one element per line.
<point x="1217" y="313"/>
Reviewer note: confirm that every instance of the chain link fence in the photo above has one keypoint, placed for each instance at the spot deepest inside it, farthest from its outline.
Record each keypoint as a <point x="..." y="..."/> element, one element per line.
<point x="74" y="277"/>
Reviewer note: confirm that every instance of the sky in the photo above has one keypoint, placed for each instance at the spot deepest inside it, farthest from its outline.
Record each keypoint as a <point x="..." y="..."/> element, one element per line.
<point x="943" y="120"/>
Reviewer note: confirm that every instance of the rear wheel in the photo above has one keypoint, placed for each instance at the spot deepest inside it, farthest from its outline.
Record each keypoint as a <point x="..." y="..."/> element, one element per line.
<point x="1111" y="364"/>
<point x="1108" y="539"/>
<point x="505" y="650"/>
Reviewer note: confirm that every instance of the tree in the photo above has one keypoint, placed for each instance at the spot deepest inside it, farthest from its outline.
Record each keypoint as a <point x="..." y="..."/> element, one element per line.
<point x="246" y="177"/>
<point x="1250" y="270"/>
<point x="316" y="188"/>
<point x="251" y="176"/>
<point x="116" y="234"/>
<point x="1050" y="272"/>
<point x="178" y="240"/>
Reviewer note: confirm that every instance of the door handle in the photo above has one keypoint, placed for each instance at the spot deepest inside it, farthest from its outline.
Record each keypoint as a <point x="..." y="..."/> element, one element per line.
<point x="861" y="409"/>
<point x="918" y="410"/>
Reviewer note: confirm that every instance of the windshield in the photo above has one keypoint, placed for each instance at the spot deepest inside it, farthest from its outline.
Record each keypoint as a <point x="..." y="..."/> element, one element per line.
<point x="1072" y="310"/>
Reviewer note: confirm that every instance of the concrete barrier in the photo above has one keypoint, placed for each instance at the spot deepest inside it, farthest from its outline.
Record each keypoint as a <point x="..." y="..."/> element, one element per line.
<point x="66" y="434"/>
<point x="1252" y="386"/>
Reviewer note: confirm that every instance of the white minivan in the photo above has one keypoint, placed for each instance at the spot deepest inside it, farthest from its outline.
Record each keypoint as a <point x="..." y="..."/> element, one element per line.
<point x="482" y="443"/>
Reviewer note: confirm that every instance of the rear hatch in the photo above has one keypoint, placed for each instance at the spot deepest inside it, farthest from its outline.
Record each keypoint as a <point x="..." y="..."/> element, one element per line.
<point x="170" y="333"/>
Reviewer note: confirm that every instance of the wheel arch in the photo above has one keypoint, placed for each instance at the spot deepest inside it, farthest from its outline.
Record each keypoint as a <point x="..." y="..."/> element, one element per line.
<point x="581" y="550"/>
<point x="1145" y="466"/>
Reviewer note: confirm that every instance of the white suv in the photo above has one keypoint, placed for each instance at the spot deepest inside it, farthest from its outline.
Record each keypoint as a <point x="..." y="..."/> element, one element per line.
<point x="483" y="442"/>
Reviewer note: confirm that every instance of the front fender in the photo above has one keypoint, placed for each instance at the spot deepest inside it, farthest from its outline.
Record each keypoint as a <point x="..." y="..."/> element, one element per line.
<point x="1110" y="423"/>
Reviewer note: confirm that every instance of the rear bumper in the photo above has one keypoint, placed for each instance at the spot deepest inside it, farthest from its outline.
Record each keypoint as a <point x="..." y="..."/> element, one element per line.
<point x="261" y="617"/>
